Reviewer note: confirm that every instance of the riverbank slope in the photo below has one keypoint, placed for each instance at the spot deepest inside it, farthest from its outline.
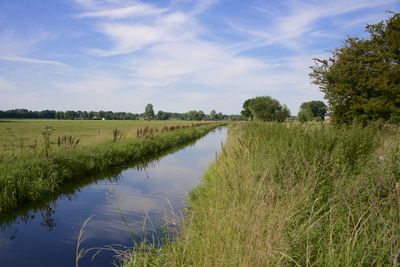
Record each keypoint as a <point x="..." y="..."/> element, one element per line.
<point x="291" y="194"/>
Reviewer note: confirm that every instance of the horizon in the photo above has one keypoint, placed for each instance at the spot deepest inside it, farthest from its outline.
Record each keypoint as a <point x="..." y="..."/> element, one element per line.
<point x="178" y="55"/>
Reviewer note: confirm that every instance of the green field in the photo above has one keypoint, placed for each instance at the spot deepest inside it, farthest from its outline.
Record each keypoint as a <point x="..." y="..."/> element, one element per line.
<point x="293" y="195"/>
<point x="30" y="170"/>
<point x="19" y="135"/>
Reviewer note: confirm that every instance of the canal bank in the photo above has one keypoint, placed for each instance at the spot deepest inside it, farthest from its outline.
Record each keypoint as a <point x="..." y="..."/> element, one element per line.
<point x="136" y="201"/>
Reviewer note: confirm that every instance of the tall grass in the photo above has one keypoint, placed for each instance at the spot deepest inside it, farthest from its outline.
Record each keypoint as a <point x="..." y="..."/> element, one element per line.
<point x="31" y="176"/>
<point x="292" y="195"/>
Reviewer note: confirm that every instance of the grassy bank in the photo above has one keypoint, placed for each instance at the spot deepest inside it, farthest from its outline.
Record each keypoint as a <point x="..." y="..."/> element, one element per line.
<point x="33" y="175"/>
<point x="293" y="195"/>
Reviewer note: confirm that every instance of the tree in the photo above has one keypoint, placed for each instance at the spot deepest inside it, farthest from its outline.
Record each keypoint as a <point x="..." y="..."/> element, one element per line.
<point x="361" y="80"/>
<point x="213" y="114"/>
<point x="313" y="110"/>
<point x="265" y="108"/>
<point x="246" y="111"/>
<point x="305" y="115"/>
<point x="195" y="115"/>
<point x="149" y="112"/>
<point x="162" y="115"/>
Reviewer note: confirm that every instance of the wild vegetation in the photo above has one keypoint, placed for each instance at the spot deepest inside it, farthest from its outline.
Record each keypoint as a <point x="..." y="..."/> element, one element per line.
<point x="291" y="194"/>
<point x="44" y="167"/>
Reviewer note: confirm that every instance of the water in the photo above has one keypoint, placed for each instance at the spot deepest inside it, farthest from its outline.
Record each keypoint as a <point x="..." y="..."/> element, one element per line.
<point x="137" y="200"/>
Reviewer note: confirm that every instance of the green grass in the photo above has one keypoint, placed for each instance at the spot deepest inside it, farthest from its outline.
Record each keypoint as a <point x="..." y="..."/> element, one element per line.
<point x="18" y="136"/>
<point x="34" y="174"/>
<point x="292" y="195"/>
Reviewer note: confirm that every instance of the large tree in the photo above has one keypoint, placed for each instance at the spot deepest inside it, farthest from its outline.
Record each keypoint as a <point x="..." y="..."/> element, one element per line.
<point x="361" y="80"/>
<point x="313" y="110"/>
<point x="265" y="108"/>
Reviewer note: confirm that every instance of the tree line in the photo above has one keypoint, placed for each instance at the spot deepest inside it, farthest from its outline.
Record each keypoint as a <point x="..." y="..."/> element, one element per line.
<point x="109" y="115"/>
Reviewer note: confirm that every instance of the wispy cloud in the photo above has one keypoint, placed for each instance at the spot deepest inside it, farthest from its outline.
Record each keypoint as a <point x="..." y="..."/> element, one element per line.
<point x="32" y="60"/>
<point x="298" y="18"/>
<point x="174" y="51"/>
<point x="136" y="10"/>
<point x="17" y="49"/>
<point x="203" y="5"/>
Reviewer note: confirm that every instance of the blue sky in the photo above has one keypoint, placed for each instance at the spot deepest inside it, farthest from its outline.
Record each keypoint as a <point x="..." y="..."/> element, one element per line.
<point x="179" y="55"/>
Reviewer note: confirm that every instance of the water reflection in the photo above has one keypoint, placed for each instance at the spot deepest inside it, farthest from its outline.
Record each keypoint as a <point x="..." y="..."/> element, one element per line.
<point x="126" y="206"/>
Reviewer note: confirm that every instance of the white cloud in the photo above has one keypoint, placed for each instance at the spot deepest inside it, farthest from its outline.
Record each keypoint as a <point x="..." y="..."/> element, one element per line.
<point x="136" y="10"/>
<point x="203" y="5"/>
<point x="131" y="37"/>
<point x="32" y="60"/>
<point x="175" y="57"/>
<point x="128" y="38"/>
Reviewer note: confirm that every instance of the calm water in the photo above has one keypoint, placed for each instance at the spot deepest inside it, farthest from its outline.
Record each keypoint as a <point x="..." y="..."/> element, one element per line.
<point x="124" y="206"/>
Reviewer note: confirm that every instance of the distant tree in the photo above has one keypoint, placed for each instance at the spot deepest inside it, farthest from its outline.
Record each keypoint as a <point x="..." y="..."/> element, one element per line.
<point x="236" y="117"/>
<point x="162" y="115"/>
<point x="149" y="112"/>
<point x="70" y="115"/>
<point x="109" y="115"/>
<point x="305" y="115"/>
<point x="265" y="108"/>
<point x="213" y="114"/>
<point x="60" y="115"/>
<point x="219" y="116"/>
<point x="313" y="110"/>
<point x="361" y="80"/>
<point x="101" y="114"/>
<point x="246" y="111"/>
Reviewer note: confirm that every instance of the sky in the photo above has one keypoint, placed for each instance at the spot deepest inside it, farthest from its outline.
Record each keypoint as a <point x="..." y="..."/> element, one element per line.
<point x="179" y="55"/>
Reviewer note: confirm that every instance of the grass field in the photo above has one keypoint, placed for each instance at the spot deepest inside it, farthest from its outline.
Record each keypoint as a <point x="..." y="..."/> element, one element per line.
<point x="31" y="172"/>
<point x="19" y="135"/>
<point x="293" y="195"/>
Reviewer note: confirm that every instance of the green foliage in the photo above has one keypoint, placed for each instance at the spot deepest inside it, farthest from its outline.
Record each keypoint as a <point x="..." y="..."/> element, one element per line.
<point x="195" y="115"/>
<point x="149" y="112"/>
<point x="265" y="108"/>
<point x="313" y="110"/>
<point x="246" y="111"/>
<point x="361" y="80"/>
<point x="305" y="115"/>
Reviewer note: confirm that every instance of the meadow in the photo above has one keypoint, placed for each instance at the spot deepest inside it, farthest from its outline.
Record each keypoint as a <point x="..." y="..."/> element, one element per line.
<point x="292" y="195"/>
<point x="42" y="156"/>
<point x="20" y="135"/>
